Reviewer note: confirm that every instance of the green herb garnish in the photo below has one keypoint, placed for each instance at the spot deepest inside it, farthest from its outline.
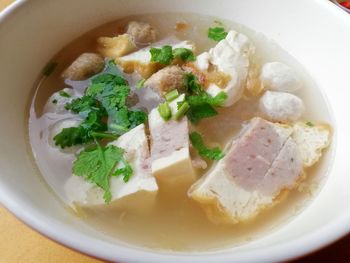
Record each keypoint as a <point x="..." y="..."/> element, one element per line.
<point x="64" y="94"/>
<point x="170" y="96"/>
<point x="164" y="111"/>
<point x="184" y="54"/>
<point x="104" y="108"/>
<point x="205" y="152"/>
<point x="217" y="33"/>
<point x="182" y="110"/>
<point x="106" y="116"/>
<point x="98" y="164"/>
<point x="205" y="98"/>
<point x="163" y="55"/>
<point x="166" y="54"/>
<point x="201" y="104"/>
<point x="310" y="124"/>
<point x="54" y="101"/>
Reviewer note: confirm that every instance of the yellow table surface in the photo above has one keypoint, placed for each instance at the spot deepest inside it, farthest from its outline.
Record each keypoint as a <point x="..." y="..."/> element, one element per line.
<point x="19" y="243"/>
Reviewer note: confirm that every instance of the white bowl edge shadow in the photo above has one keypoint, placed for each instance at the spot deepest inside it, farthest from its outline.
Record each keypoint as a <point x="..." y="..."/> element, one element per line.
<point x="57" y="230"/>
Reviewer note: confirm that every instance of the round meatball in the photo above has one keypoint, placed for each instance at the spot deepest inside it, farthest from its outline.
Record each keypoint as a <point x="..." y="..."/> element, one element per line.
<point x="142" y="33"/>
<point x="281" y="106"/>
<point x="279" y="77"/>
<point x="85" y="66"/>
<point x="166" y="79"/>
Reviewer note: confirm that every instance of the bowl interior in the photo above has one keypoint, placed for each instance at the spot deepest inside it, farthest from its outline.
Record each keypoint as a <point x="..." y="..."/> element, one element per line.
<point x="33" y="31"/>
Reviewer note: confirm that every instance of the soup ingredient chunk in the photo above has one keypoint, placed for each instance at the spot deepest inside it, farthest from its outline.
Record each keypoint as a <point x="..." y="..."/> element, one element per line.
<point x="166" y="79"/>
<point x="230" y="56"/>
<point x="142" y="33"/>
<point x="127" y="163"/>
<point x="281" y="106"/>
<point x="57" y="101"/>
<point x="279" y="77"/>
<point x="171" y="160"/>
<point x="114" y="47"/>
<point x="261" y="162"/>
<point x="85" y="66"/>
<point x="311" y="139"/>
<point x="141" y="60"/>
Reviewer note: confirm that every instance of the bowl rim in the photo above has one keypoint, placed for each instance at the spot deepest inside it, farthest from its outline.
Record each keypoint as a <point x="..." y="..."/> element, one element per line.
<point x="340" y="6"/>
<point x="56" y="231"/>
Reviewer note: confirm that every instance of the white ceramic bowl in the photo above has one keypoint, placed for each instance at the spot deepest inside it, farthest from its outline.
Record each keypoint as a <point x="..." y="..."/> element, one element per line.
<point x="337" y="2"/>
<point x="315" y="32"/>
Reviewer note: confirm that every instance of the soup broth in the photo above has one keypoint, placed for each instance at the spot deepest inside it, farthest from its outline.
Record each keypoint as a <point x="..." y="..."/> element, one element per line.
<point x="170" y="220"/>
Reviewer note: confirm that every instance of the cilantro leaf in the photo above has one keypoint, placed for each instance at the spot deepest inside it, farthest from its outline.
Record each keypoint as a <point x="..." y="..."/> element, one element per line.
<point x="184" y="53"/>
<point x="163" y="55"/>
<point x="71" y="136"/>
<point x="118" y="121"/>
<point x="216" y="101"/>
<point x="198" y="112"/>
<point x="103" y="107"/>
<point x="96" y="165"/>
<point x="205" y="152"/>
<point x="108" y="78"/>
<point x="137" y="117"/>
<point x="82" y="104"/>
<point x="126" y="171"/>
<point x="94" y="89"/>
<point x="201" y="104"/>
<point x="122" y="120"/>
<point x="217" y="33"/>
<point x="81" y="134"/>
<point x="113" y="97"/>
<point x="192" y="85"/>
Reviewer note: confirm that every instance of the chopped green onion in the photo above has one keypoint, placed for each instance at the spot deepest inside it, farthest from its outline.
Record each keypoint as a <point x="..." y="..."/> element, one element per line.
<point x="309" y="123"/>
<point x="182" y="110"/>
<point x="64" y="94"/>
<point x="170" y="96"/>
<point x="140" y="83"/>
<point x="164" y="111"/>
<point x="54" y="101"/>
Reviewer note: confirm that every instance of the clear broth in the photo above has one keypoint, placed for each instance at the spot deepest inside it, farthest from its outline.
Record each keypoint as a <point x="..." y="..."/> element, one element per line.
<point x="170" y="220"/>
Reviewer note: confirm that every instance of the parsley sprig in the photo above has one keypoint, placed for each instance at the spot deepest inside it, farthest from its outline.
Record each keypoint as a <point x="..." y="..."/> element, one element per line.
<point x="201" y="104"/>
<point x="98" y="164"/>
<point x="166" y="54"/>
<point x="103" y="108"/>
<point x="105" y="114"/>
<point x="205" y="152"/>
<point x="217" y="33"/>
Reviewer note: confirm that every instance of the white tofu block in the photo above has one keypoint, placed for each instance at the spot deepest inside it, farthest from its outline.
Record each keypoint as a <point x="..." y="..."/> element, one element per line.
<point x="260" y="164"/>
<point x="140" y="61"/>
<point x="136" y="153"/>
<point x="171" y="160"/>
<point x="230" y="56"/>
<point x="312" y="140"/>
